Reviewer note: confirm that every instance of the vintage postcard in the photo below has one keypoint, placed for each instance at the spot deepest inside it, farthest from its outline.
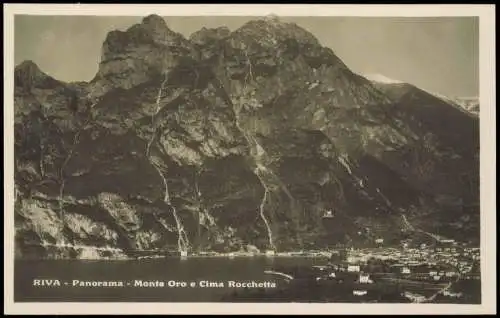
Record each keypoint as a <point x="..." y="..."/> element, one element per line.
<point x="249" y="159"/>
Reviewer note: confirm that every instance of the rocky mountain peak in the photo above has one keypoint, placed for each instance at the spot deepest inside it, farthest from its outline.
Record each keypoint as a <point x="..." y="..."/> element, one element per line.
<point x="27" y="65"/>
<point x="154" y="22"/>
<point x="153" y="30"/>
<point x="28" y="74"/>
<point x="29" y="71"/>
<point x="269" y="30"/>
<point x="157" y="27"/>
<point x="205" y="35"/>
<point x="144" y="50"/>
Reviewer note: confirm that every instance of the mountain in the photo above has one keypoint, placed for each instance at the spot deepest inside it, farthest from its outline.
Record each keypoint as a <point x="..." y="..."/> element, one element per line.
<point x="440" y="119"/>
<point x="469" y="104"/>
<point x="234" y="140"/>
<point x="381" y="79"/>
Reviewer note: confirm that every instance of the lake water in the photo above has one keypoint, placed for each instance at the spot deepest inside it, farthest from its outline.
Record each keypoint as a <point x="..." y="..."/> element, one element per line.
<point x="203" y="280"/>
<point x="189" y="270"/>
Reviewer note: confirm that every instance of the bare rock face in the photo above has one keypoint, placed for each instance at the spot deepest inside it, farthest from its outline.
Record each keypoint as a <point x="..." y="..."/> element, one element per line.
<point x="206" y="36"/>
<point x="143" y="51"/>
<point x="229" y="140"/>
<point x="28" y="75"/>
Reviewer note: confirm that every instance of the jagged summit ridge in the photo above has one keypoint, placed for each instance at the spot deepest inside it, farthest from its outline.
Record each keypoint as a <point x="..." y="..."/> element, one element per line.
<point x="152" y="30"/>
<point x="159" y="30"/>
<point x="149" y="48"/>
<point x="205" y="35"/>
<point x="143" y="51"/>
<point x="268" y="31"/>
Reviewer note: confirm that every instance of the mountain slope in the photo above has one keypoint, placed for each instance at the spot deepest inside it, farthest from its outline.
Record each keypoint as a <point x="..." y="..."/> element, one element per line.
<point x="471" y="104"/>
<point x="181" y="144"/>
<point x="468" y="104"/>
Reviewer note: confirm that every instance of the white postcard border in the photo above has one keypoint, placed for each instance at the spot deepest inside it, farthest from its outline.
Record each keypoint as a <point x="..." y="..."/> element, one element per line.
<point x="487" y="159"/>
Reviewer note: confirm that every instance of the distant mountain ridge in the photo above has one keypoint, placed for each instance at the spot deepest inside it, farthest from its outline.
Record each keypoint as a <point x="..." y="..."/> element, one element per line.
<point x="470" y="104"/>
<point x="182" y="144"/>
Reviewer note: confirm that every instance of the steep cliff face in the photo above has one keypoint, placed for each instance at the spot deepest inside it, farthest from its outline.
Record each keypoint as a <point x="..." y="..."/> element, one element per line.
<point x="227" y="140"/>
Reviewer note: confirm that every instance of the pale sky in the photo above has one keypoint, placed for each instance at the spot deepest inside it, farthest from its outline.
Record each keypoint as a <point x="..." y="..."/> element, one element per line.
<point x="437" y="54"/>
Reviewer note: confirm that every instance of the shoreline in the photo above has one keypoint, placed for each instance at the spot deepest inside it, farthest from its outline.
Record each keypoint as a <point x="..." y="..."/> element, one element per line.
<point x="156" y="257"/>
<point x="99" y="253"/>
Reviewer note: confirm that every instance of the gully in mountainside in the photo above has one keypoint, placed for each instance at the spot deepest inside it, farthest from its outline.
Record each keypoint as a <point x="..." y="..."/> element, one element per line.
<point x="182" y="240"/>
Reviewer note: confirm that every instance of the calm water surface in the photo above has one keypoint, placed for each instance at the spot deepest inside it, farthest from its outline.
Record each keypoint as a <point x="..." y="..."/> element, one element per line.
<point x="188" y="270"/>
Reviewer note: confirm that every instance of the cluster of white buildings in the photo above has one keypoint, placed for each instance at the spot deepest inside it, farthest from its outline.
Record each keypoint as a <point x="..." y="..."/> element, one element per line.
<point x="421" y="262"/>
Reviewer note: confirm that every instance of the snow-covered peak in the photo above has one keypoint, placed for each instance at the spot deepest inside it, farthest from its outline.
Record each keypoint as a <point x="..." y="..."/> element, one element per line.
<point x="379" y="78"/>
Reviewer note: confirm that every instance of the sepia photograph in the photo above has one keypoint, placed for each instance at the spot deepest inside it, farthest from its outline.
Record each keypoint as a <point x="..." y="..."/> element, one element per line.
<point x="267" y="156"/>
